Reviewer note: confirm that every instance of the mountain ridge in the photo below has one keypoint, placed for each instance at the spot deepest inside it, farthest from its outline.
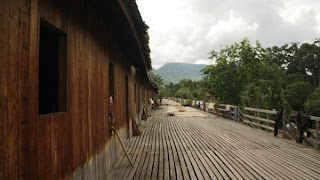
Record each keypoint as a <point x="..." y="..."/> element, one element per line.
<point x="175" y="72"/>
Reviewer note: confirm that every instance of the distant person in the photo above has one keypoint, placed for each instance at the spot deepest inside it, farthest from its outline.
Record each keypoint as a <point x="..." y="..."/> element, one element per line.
<point x="154" y="106"/>
<point x="151" y="101"/>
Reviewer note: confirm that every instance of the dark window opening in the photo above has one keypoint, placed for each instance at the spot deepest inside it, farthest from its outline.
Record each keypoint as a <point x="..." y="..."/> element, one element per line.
<point x="111" y="81"/>
<point x="52" y="70"/>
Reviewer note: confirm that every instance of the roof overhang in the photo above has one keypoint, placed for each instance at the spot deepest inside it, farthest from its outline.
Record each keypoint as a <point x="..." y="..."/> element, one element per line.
<point x="135" y="21"/>
<point x="129" y="29"/>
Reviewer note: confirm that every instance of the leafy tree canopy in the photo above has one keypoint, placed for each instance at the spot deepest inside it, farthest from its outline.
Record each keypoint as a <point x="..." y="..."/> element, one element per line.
<point x="244" y="73"/>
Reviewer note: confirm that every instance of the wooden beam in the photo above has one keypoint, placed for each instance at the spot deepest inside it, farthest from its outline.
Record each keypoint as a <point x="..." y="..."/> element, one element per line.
<point x="124" y="149"/>
<point x="259" y="118"/>
<point x="260" y="125"/>
<point x="260" y="110"/>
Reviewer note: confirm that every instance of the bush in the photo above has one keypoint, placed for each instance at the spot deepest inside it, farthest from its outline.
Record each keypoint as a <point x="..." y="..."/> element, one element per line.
<point x="312" y="105"/>
<point x="187" y="102"/>
<point x="252" y="96"/>
<point x="297" y="93"/>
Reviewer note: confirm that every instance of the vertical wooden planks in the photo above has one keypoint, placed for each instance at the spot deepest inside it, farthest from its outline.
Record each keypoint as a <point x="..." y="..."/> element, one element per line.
<point x="46" y="146"/>
<point x="42" y="146"/>
<point x="99" y="92"/>
<point x="53" y="142"/>
<point x="94" y="82"/>
<point x="47" y="151"/>
<point x="4" y="31"/>
<point x="104" y="91"/>
<point x="67" y="124"/>
<point x="84" y="90"/>
<point x="99" y="81"/>
<point x="91" y="96"/>
<point x="23" y="88"/>
<point x="106" y="60"/>
<point x="74" y="88"/>
<point x="33" y="90"/>
<point x="56" y="144"/>
<point x="83" y="98"/>
<point x="105" y="82"/>
<point x="12" y="91"/>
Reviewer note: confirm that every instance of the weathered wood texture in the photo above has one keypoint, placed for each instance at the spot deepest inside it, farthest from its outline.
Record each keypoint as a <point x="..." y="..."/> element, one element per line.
<point x="314" y="138"/>
<point x="261" y="118"/>
<point x="4" y="88"/>
<point x="265" y="119"/>
<point x="54" y="146"/>
<point x="224" y="112"/>
<point x="174" y="147"/>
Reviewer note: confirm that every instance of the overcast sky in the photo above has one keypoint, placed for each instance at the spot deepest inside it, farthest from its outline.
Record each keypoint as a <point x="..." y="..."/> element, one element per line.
<point x="187" y="30"/>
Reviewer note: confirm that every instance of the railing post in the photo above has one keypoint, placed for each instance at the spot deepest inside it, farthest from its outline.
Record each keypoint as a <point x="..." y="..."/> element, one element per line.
<point x="235" y="113"/>
<point x="239" y="117"/>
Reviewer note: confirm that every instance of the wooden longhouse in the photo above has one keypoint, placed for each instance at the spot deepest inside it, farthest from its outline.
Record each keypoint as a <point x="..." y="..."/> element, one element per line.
<point x="60" y="62"/>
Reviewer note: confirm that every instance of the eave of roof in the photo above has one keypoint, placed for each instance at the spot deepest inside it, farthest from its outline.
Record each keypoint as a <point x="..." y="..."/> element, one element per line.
<point x="139" y="30"/>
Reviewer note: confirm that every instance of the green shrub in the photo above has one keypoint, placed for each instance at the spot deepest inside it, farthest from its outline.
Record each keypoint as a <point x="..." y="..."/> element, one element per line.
<point x="312" y="105"/>
<point x="297" y="93"/>
<point x="187" y="103"/>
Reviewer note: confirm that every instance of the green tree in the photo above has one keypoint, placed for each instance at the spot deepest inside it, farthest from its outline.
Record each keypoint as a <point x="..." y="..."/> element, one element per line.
<point x="283" y="55"/>
<point x="312" y="105"/>
<point x="186" y="89"/>
<point x="172" y="89"/>
<point x="252" y="96"/>
<point x="157" y="79"/>
<point x="308" y="57"/>
<point x="239" y="67"/>
<point x="280" y="77"/>
<point x="297" y="93"/>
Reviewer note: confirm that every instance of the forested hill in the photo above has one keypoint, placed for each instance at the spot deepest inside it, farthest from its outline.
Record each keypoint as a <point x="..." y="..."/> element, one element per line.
<point x="174" y="72"/>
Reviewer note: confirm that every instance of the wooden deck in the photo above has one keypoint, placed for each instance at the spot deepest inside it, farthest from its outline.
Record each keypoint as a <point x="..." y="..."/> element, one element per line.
<point x="174" y="147"/>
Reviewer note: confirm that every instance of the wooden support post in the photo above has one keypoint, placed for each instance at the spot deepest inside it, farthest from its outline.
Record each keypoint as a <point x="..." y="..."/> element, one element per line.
<point x="124" y="149"/>
<point x="258" y="115"/>
<point x="235" y="113"/>
<point x="239" y="117"/>
<point x="268" y="117"/>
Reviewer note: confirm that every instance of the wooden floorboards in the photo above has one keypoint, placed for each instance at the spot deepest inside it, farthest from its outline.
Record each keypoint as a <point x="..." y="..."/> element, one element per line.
<point x="174" y="147"/>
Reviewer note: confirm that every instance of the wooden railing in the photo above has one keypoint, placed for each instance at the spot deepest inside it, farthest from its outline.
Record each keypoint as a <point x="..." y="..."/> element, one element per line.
<point x="223" y="111"/>
<point x="263" y="119"/>
<point x="314" y="138"/>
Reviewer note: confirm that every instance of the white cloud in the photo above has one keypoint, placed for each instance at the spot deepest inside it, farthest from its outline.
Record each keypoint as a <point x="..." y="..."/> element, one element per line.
<point x="318" y="22"/>
<point x="204" y="61"/>
<point x="187" y="30"/>
<point x="294" y="10"/>
<point x="231" y="25"/>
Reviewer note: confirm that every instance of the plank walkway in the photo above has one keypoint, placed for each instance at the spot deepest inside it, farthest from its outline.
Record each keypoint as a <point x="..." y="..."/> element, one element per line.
<point x="212" y="147"/>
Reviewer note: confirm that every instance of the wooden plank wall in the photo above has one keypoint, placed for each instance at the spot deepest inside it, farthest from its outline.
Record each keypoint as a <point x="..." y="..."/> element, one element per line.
<point x="4" y="86"/>
<point x="14" y="100"/>
<point x="55" y="145"/>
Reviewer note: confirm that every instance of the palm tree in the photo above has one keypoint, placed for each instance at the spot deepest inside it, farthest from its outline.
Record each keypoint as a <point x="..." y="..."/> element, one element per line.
<point x="157" y="79"/>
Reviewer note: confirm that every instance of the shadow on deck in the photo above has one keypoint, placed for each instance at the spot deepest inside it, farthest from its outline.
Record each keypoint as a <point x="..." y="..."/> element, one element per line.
<point x="186" y="147"/>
